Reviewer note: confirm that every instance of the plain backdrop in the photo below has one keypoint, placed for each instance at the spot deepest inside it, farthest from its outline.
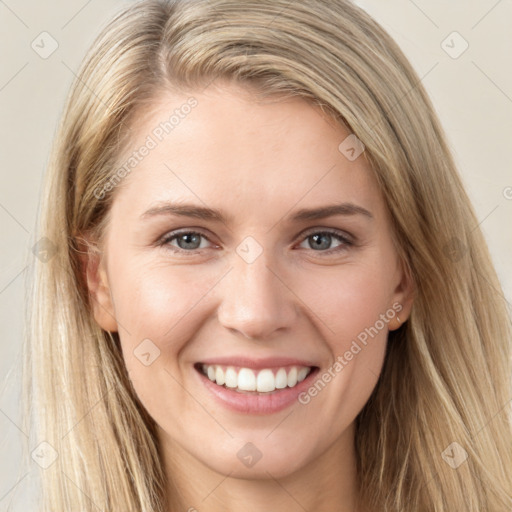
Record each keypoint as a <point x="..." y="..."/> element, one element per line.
<point x="460" y="49"/>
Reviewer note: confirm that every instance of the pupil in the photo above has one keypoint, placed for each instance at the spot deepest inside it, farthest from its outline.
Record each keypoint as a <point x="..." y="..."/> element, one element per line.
<point x="190" y="238"/>
<point x="319" y="245"/>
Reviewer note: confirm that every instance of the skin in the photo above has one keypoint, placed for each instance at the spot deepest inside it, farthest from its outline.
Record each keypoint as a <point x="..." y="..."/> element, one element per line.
<point x="258" y="162"/>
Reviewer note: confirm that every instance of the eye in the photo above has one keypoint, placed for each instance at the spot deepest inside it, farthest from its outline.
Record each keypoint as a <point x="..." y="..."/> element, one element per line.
<point x="186" y="241"/>
<point x="321" y="240"/>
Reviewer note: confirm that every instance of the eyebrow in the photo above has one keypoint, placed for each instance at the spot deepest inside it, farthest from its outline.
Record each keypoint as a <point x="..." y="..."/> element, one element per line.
<point x="212" y="214"/>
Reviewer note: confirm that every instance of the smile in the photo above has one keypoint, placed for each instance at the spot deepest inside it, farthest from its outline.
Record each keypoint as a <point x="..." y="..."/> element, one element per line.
<point x="260" y="381"/>
<point x="261" y="390"/>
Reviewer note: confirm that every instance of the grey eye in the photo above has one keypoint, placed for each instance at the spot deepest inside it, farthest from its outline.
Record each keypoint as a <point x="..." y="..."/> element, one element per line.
<point x="188" y="240"/>
<point x="320" y="241"/>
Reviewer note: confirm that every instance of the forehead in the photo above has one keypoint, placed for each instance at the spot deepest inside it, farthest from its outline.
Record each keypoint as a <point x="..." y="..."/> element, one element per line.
<point x="226" y="146"/>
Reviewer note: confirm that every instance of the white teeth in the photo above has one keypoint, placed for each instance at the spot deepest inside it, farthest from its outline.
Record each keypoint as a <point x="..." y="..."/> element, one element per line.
<point x="219" y="376"/>
<point x="246" y="379"/>
<point x="281" y="379"/>
<point x="292" y="377"/>
<point x="263" y="381"/>
<point x="302" y="374"/>
<point x="231" y="378"/>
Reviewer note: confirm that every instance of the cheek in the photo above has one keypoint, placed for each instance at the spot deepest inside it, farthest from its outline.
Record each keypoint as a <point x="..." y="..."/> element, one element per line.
<point x="350" y="305"/>
<point x="156" y="311"/>
<point x="156" y="301"/>
<point x="346" y="300"/>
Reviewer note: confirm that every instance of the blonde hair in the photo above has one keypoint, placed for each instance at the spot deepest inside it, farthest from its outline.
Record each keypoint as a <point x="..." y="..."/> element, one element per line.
<point x="447" y="373"/>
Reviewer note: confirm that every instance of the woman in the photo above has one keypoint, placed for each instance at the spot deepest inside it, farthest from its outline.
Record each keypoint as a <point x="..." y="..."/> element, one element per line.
<point x="268" y="290"/>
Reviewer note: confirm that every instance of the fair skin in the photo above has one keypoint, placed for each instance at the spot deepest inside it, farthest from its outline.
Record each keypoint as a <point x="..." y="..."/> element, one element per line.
<point x="258" y="163"/>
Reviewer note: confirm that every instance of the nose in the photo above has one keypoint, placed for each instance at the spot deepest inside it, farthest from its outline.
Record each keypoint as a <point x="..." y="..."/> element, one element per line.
<point x="256" y="300"/>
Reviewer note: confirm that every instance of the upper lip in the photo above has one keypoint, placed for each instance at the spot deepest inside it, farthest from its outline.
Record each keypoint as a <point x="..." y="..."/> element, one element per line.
<point x="256" y="364"/>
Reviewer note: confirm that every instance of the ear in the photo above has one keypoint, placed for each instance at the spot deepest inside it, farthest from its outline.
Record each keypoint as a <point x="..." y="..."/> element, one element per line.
<point x="94" y="273"/>
<point x="403" y="297"/>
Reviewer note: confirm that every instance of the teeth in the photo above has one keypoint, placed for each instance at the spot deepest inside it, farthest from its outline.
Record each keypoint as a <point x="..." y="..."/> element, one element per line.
<point x="219" y="376"/>
<point x="292" y="377"/>
<point x="262" y="381"/>
<point x="231" y="378"/>
<point x="246" y="379"/>
<point x="281" y="379"/>
<point x="265" y="381"/>
<point x="302" y="374"/>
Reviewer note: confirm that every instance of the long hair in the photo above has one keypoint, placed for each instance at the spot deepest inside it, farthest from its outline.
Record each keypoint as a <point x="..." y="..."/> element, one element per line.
<point x="435" y="433"/>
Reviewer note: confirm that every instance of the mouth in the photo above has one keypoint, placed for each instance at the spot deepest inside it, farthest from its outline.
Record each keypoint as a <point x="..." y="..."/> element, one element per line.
<point x="251" y="381"/>
<point x="255" y="386"/>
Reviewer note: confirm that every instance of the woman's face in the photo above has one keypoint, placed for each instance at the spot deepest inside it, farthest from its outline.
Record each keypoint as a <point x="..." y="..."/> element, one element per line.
<point x="251" y="239"/>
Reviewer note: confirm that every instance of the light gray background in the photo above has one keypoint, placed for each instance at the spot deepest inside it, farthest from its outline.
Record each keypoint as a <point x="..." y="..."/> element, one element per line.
<point x="472" y="95"/>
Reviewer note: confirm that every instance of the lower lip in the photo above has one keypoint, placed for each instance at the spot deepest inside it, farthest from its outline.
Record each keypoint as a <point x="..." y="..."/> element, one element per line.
<point x="268" y="403"/>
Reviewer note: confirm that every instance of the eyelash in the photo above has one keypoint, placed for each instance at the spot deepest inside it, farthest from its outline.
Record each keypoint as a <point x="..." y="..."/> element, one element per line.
<point x="346" y="242"/>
